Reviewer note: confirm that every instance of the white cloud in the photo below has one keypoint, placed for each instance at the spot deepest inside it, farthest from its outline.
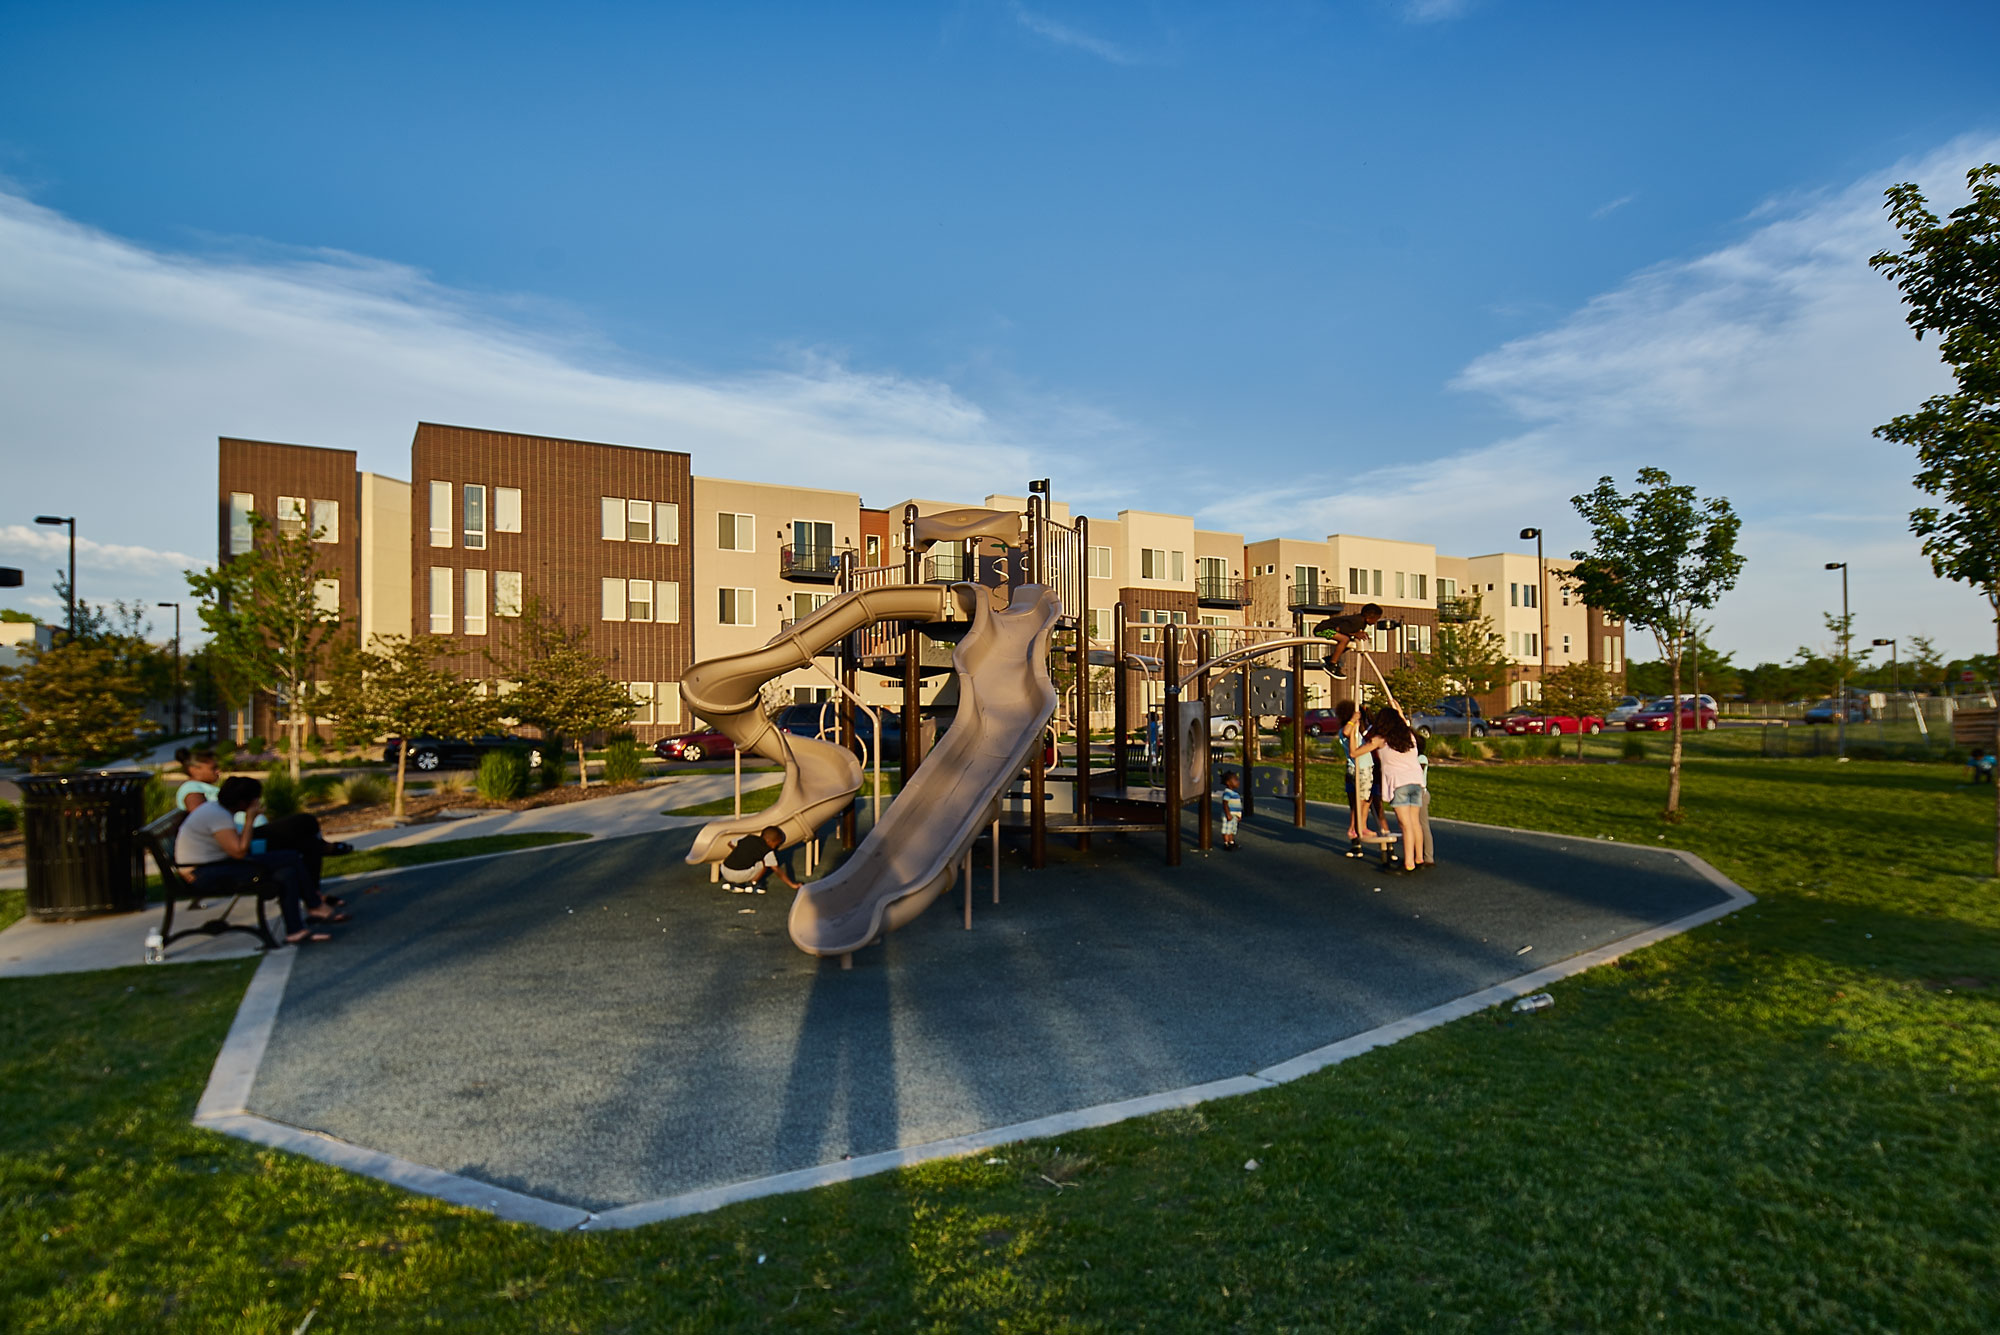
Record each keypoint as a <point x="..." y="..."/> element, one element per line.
<point x="1756" y="372"/>
<point x="1062" y="34"/>
<point x="1610" y="207"/>
<point x="1434" y="11"/>
<point x="119" y="367"/>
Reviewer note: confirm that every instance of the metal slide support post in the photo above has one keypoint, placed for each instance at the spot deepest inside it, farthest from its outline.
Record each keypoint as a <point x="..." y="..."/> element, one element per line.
<point x="912" y="648"/>
<point x="1205" y="820"/>
<point x="1299" y="725"/>
<point x="994" y="834"/>
<point x="1120" y="693"/>
<point x="1248" y="743"/>
<point x="1038" y="816"/>
<point x="1081" y="801"/>
<point x="1170" y="736"/>
<point x="848" y="830"/>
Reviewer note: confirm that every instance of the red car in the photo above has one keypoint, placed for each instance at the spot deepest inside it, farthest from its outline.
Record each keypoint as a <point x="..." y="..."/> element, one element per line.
<point x="1696" y="715"/>
<point x="1553" y="725"/>
<point x="695" y="746"/>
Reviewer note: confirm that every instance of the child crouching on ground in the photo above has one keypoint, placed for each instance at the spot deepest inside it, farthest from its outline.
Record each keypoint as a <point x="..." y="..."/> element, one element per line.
<point x="1232" y="807"/>
<point x="755" y="857"/>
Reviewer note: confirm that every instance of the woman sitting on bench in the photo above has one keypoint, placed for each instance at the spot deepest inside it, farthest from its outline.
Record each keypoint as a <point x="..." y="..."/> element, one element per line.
<point x="1394" y="746"/>
<point x="297" y="833"/>
<point x="216" y="855"/>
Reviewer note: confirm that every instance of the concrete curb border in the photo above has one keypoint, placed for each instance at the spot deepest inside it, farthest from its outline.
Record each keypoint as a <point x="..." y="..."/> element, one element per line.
<point x="222" y="1104"/>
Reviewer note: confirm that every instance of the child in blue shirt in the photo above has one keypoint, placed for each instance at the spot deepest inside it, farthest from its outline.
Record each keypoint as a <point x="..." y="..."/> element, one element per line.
<point x="1232" y="807"/>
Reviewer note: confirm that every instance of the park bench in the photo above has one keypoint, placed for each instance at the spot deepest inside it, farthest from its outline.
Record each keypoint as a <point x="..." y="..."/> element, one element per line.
<point x="174" y="883"/>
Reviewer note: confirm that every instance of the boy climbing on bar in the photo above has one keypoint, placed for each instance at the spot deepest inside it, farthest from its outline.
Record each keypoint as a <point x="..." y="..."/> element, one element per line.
<point x="1343" y="630"/>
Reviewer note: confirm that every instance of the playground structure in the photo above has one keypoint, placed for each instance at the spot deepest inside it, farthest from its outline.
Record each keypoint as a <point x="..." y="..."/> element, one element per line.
<point x="1002" y="585"/>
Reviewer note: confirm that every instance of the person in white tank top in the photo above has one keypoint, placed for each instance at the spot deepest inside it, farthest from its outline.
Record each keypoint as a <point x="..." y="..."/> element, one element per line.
<point x="1394" y="746"/>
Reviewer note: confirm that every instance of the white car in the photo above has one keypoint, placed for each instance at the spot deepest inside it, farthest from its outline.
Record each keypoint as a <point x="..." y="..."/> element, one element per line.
<point x="1627" y="707"/>
<point x="1223" y="728"/>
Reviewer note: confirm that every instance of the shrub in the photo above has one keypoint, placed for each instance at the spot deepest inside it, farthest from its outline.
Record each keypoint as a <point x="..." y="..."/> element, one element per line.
<point x="1555" y="747"/>
<point x="255" y="746"/>
<point x="10" y="818"/>
<point x="624" y="762"/>
<point x="281" y="795"/>
<point x="503" y="776"/>
<point x="1440" y="748"/>
<point x="1510" y="749"/>
<point x="316" y="790"/>
<point x="551" y="774"/>
<point x="1635" y="746"/>
<point x="367" y="790"/>
<point x="456" y="781"/>
<point x="157" y="799"/>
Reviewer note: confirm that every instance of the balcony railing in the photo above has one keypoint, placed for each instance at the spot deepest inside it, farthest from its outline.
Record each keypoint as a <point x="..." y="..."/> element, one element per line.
<point x="1219" y="591"/>
<point x="1316" y="597"/>
<point x="1455" y="610"/>
<point x="947" y="568"/>
<point x="820" y="565"/>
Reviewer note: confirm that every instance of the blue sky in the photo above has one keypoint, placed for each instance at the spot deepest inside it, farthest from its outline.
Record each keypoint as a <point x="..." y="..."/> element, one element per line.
<point x="1414" y="269"/>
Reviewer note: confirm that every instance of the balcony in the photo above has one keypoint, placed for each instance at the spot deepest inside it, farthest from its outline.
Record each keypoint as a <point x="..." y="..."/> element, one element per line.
<point x="947" y="568"/>
<point x="1315" y="598"/>
<point x="1457" y="611"/>
<point x="1220" y="591"/>
<point x="808" y="565"/>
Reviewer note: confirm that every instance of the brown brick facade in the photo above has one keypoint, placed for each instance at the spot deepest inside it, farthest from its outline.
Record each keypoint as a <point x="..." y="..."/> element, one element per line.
<point x="559" y="552"/>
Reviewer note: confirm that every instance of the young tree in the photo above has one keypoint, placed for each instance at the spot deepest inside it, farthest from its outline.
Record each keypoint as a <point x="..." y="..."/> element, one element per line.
<point x="396" y="689"/>
<point x="1950" y="279"/>
<point x="1471" y="656"/>
<point x="1926" y="667"/>
<point x="560" y="686"/>
<point x="1419" y="684"/>
<point x="69" y="705"/>
<point x="267" y="624"/>
<point x="1580" y="688"/>
<point x="1661" y="558"/>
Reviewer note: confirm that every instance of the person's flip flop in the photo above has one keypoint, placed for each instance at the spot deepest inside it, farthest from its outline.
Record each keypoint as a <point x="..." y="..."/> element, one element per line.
<point x="334" y="900"/>
<point x="332" y="917"/>
<point x="308" y="939"/>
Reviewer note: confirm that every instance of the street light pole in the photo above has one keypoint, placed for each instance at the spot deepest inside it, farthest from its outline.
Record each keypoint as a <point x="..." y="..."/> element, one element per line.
<point x="71" y="521"/>
<point x="177" y="664"/>
<point x="1541" y="598"/>
<point x="1840" y="695"/>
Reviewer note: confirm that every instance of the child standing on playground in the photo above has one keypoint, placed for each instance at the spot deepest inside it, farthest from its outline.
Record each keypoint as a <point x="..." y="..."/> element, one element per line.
<point x="1344" y="629"/>
<point x="1403" y="777"/>
<point x="1360" y="775"/>
<point x="1232" y="807"/>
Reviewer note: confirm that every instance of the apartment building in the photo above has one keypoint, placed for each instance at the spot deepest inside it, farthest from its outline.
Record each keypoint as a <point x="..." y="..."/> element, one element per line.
<point x="665" y="567"/>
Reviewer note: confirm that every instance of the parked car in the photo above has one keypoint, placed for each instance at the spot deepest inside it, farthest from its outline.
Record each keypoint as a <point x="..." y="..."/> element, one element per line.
<point x="822" y="721"/>
<point x="1223" y="728"/>
<point x="695" y="746"/>
<point x="1829" y="711"/>
<point x="1553" y="725"/>
<point x="1626" y="708"/>
<point x="1449" y="718"/>
<point x="436" y="753"/>
<point x="1698" y="713"/>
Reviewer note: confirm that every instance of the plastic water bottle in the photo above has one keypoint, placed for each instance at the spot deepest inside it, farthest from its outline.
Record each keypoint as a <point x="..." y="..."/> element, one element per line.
<point x="156" y="947"/>
<point x="1541" y="1001"/>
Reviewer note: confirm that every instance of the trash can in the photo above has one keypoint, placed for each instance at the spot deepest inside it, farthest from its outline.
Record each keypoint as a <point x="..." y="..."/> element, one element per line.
<point x="84" y="852"/>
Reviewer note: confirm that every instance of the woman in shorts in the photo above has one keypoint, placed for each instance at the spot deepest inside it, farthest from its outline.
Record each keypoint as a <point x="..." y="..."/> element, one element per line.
<point x="1394" y="745"/>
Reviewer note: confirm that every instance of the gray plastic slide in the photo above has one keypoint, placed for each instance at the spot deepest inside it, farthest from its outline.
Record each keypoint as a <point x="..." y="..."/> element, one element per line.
<point x="820" y="777"/>
<point x="1005" y="703"/>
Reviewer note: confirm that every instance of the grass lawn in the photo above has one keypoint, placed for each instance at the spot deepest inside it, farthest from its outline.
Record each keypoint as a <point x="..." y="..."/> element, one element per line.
<point x="761" y="799"/>
<point x="1782" y="1121"/>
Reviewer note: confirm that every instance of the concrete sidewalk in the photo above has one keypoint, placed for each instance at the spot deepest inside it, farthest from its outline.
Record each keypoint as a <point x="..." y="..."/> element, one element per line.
<point x="604" y="817"/>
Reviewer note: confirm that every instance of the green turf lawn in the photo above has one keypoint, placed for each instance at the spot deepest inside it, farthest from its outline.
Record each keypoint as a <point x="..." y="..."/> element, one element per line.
<point x="1782" y="1121"/>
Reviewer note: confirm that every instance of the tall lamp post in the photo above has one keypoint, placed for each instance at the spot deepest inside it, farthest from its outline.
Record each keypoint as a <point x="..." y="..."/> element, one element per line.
<point x="1840" y="696"/>
<point x="1541" y="598"/>
<point x="177" y="663"/>
<point x="1895" y="677"/>
<point x="71" y="521"/>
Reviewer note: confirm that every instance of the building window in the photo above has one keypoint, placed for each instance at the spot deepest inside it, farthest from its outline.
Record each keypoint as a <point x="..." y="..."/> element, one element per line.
<point x="506" y="593"/>
<point x="1378" y="583"/>
<point x="812" y="540"/>
<point x="1357" y="579"/>
<point x="1145" y="625"/>
<point x="1513" y="595"/>
<point x="1565" y="595"/>
<point x="1100" y="563"/>
<point x="291" y="516"/>
<point x="611" y="600"/>
<point x="642" y="700"/>
<point x="1401" y="592"/>
<point x="326" y="521"/>
<point x="736" y="607"/>
<point x="667" y="703"/>
<point x="872" y="547"/>
<point x="666" y="602"/>
<point x="1514" y="643"/>
<point x="440" y="514"/>
<point x="611" y="516"/>
<point x="475" y="602"/>
<point x="241" y="534"/>
<point x="667" y="523"/>
<point x="506" y="509"/>
<point x="441" y="600"/>
<point x="638" y="521"/>
<point x="638" y="600"/>
<point x="1179" y="567"/>
<point x="1534" y="643"/>
<point x="805" y="604"/>
<point x="735" y="533"/>
<point x="1100" y="621"/>
<point x="475" y="518"/>
<point x="326" y="597"/>
<point x="1565" y="645"/>
<point x="1447" y="588"/>
<point x="1152" y="563"/>
<point x="1530" y="596"/>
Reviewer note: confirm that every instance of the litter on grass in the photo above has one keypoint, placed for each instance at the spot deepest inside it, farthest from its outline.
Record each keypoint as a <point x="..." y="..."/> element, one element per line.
<point x="1541" y="1001"/>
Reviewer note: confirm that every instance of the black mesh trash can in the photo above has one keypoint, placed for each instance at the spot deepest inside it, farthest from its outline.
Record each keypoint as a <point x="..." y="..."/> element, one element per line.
<point x="84" y="853"/>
